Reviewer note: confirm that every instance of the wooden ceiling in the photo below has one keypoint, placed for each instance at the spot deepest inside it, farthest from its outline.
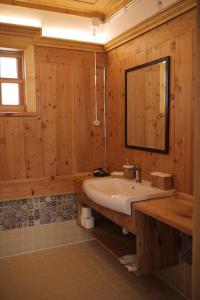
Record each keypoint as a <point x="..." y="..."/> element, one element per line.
<point x="102" y="9"/>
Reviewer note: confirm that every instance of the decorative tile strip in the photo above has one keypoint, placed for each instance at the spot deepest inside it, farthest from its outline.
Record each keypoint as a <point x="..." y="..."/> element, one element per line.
<point x="36" y="211"/>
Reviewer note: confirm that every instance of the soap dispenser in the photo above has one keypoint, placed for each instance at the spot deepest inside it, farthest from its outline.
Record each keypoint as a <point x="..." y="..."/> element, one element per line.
<point x="128" y="170"/>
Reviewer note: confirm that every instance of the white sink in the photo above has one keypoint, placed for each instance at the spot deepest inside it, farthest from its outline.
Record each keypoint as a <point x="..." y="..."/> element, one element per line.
<point x="118" y="194"/>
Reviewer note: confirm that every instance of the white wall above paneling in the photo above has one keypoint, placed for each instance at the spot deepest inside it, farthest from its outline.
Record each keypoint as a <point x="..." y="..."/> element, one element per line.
<point x="137" y="11"/>
<point x="78" y="28"/>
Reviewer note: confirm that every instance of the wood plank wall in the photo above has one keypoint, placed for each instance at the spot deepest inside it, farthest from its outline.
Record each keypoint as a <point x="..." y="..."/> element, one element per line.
<point x="39" y="155"/>
<point x="177" y="40"/>
<point x="196" y="239"/>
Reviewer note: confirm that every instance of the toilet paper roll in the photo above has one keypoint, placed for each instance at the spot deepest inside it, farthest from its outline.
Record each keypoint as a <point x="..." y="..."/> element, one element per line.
<point x="89" y="222"/>
<point x="82" y="221"/>
<point x="86" y="212"/>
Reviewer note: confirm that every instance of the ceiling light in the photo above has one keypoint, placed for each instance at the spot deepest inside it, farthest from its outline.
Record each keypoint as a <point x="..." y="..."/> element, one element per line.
<point x="95" y="23"/>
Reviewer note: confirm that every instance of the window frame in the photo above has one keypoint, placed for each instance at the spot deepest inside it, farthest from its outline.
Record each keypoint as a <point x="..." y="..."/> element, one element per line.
<point x="20" y="80"/>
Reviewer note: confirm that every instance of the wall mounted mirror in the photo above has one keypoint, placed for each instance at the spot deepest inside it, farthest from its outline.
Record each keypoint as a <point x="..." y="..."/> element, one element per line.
<point x="147" y="106"/>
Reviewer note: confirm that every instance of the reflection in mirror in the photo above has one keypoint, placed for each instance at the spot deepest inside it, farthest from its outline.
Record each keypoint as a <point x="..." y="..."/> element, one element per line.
<point x="147" y="106"/>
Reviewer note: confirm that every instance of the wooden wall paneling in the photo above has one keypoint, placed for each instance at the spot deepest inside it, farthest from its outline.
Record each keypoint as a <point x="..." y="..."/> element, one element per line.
<point x="48" y="78"/>
<point x="30" y="85"/>
<point x="131" y="135"/>
<point x="181" y="24"/>
<point x="33" y="147"/>
<point x="84" y="93"/>
<point x="44" y="146"/>
<point x="196" y="239"/>
<point x="194" y="100"/>
<point x="65" y="101"/>
<point x="160" y="161"/>
<point x="175" y="27"/>
<point x="135" y="111"/>
<point x="183" y="112"/>
<point x="140" y="157"/>
<point x="100" y="147"/>
<point x="151" y="79"/>
<point x="2" y="149"/>
<point x="88" y="138"/>
<point x="117" y="63"/>
<point x="114" y="121"/>
<point x="14" y="154"/>
<point x="170" y="39"/>
<point x="160" y="105"/>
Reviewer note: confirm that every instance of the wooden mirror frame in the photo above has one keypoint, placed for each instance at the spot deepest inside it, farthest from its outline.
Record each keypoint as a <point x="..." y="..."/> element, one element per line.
<point x="167" y="106"/>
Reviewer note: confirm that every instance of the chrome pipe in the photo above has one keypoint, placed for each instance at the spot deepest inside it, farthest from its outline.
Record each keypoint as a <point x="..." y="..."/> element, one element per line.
<point x="96" y="121"/>
<point x="105" y="117"/>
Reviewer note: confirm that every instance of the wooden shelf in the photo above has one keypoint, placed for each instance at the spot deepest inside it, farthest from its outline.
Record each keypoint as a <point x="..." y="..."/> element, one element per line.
<point x="110" y="236"/>
<point x="154" y="243"/>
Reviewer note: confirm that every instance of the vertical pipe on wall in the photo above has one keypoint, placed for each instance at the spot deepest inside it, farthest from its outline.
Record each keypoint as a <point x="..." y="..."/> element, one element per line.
<point x="196" y="234"/>
<point x="104" y="117"/>
<point x="96" y="121"/>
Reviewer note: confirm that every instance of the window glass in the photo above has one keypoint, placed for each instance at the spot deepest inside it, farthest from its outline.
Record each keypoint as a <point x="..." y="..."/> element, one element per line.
<point x="8" y="67"/>
<point x="10" y="93"/>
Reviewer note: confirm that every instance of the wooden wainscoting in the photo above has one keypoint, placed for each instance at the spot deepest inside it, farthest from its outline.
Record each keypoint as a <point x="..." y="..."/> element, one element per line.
<point x="31" y="188"/>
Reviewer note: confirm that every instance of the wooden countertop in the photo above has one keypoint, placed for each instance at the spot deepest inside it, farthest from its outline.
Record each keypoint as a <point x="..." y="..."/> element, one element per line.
<point x="174" y="211"/>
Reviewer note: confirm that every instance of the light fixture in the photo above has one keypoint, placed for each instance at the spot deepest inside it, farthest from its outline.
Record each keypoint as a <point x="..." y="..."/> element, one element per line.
<point x="95" y="23"/>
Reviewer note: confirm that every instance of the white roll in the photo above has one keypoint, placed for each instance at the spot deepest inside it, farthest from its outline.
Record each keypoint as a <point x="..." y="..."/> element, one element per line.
<point x="86" y="212"/>
<point x="82" y="221"/>
<point x="89" y="223"/>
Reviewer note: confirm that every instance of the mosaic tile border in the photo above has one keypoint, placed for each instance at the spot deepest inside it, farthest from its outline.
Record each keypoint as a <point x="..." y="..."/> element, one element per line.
<point x="37" y="211"/>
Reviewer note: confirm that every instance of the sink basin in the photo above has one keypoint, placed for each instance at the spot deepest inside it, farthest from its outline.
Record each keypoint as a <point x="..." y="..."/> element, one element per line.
<point x="118" y="193"/>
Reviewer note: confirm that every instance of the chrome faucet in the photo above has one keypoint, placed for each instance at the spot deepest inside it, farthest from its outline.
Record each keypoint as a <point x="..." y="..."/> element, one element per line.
<point x="137" y="173"/>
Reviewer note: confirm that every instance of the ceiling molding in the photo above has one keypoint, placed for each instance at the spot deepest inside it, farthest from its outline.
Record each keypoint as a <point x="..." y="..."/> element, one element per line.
<point x="115" y="8"/>
<point x="18" y="34"/>
<point x="20" y="30"/>
<point x="101" y="9"/>
<point x="162" y="17"/>
<point x="69" y="44"/>
<point x="35" y="34"/>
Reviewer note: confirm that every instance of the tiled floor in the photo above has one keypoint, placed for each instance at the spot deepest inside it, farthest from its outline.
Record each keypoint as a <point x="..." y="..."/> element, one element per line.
<point x="76" y="272"/>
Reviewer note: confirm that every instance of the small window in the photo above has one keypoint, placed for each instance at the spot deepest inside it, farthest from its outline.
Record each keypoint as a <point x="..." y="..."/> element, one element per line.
<point x="11" y="81"/>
